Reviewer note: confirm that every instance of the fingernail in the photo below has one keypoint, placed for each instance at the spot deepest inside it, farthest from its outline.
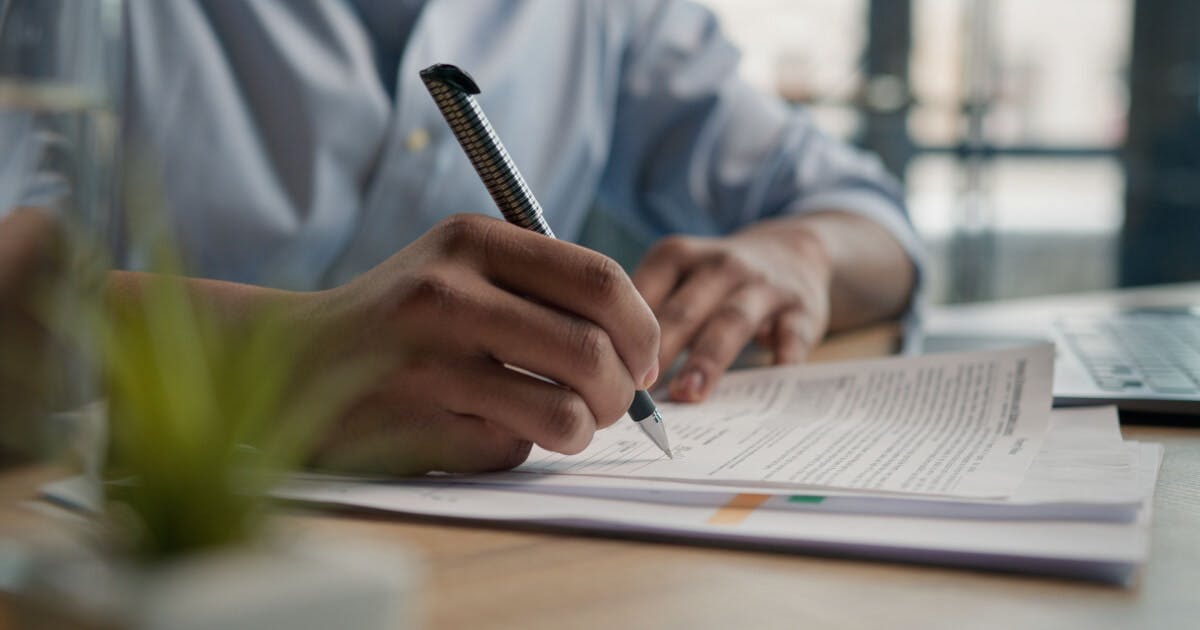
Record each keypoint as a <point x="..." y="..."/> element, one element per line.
<point x="650" y="376"/>
<point x="688" y="385"/>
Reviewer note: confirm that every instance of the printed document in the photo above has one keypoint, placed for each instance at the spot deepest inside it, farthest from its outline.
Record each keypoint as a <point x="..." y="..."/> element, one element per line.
<point x="1084" y="471"/>
<point x="964" y="425"/>
<point x="1107" y="550"/>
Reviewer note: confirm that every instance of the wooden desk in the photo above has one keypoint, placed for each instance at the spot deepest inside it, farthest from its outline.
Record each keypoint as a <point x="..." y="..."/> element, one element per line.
<point x="492" y="578"/>
<point x="481" y="577"/>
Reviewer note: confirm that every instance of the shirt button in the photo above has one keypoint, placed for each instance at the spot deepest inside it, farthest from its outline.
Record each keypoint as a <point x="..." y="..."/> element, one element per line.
<point x="417" y="140"/>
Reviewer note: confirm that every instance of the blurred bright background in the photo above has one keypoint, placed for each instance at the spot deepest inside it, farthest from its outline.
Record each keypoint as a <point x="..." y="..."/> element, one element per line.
<point x="1032" y="163"/>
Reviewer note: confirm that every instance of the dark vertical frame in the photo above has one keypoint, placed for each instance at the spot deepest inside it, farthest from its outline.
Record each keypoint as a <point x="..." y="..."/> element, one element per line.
<point x="889" y="44"/>
<point x="1161" y="238"/>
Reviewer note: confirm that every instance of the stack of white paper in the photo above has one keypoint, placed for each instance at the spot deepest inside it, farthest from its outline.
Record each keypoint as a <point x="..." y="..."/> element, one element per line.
<point x="952" y="459"/>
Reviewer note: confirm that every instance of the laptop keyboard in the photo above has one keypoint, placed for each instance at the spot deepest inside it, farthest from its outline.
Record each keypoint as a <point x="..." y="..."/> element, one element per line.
<point x="1138" y="351"/>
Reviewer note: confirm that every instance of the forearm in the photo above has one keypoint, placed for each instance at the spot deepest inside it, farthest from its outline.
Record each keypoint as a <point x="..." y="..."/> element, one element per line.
<point x="228" y="303"/>
<point x="871" y="276"/>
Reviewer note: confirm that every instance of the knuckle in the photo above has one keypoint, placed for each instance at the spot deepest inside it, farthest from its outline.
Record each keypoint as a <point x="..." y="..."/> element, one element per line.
<point x="706" y="362"/>
<point x="799" y="330"/>
<point x="714" y="351"/>
<point x="791" y="299"/>
<point x="500" y="454"/>
<point x="432" y="292"/>
<point x="674" y="246"/>
<point x="592" y="347"/>
<point x="415" y="372"/>
<point x="813" y="333"/>
<point x="733" y="264"/>
<point x="678" y="313"/>
<point x="605" y="280"/>
<point x="614" y="407"/>
<point x="514" y="455"/>
<point x="461" y="232"/>
<point x="734" y="317"/>
<point x="565" y="417"/>
<point x="724" y="258"/>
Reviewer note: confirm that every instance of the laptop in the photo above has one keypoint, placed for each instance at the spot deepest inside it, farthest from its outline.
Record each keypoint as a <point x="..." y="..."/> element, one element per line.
<point x="1145" y="359"/>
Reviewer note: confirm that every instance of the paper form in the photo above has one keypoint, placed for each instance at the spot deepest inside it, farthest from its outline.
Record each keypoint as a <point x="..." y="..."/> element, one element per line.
<point x="964" y="424"/>
<point x="1084" y="471"/>
<point x="1106" y="550"/>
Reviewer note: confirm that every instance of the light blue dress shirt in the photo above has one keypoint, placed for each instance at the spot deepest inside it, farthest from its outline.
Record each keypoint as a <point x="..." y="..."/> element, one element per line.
<point x="286" y="160"/>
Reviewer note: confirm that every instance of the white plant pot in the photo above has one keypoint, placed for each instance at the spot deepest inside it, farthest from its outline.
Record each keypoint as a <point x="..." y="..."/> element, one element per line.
<point x="310" y="584"/>
<point x="307" y="583"/>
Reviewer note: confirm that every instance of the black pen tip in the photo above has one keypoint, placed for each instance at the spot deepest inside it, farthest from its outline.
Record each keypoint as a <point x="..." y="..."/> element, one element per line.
<point x="642" y="406"/>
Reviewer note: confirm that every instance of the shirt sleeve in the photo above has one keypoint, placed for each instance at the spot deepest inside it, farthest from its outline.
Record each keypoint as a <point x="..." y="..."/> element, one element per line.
<point x="696" y="150"/>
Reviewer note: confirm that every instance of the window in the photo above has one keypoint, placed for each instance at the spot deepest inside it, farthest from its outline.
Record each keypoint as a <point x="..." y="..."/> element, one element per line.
<point x="1018" y="109"/>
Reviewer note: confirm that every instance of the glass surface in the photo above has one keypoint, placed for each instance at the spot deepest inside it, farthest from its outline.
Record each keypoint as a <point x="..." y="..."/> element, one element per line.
<point x="1051" y="226"/>
<point x="1054" y="72"/>
<point x="1045" y="77"/>
<point x="60" y="64"/>
<point x="808" y="51"/>
<point x="59" y="72"/>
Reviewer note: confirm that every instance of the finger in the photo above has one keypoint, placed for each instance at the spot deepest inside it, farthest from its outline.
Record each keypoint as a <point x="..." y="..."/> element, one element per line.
<point x="572" y="278"/>
<point x="386" y="436"/>
<point x="796" y="333"/>
<point x="765" y="336"/>
<point x="570" y="350"/>
<point x="690" y="306"/>
<point x="723" y="337"/>
<point x="662" y="268"/>
<point x="553" y="417"/>
<point x="470" y="444"/>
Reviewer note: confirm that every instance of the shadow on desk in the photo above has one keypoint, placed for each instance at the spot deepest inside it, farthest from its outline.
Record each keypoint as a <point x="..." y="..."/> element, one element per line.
<point x="1150" y="418"/>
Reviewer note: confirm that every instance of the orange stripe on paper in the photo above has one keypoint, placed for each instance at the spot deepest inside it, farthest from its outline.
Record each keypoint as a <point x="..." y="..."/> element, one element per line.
<point x="738" y="508"/>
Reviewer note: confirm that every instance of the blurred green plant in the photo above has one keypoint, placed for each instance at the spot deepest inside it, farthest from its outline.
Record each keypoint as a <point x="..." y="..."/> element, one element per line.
<point x="205" y="414"/>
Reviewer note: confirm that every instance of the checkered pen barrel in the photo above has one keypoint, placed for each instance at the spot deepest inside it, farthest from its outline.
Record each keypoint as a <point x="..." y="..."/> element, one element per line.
<point x="453" y="90"/>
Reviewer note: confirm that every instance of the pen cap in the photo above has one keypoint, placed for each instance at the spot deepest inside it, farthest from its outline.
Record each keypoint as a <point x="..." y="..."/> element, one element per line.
<point x="452" y="90"/>
<point x="451" y="75"/>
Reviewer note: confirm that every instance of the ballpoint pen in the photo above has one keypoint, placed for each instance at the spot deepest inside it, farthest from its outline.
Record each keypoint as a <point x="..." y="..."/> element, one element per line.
<point x="452" y="91"/>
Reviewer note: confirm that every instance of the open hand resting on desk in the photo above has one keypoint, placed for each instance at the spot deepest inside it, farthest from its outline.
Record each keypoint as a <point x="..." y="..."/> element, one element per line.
<point x="783" y="282"/>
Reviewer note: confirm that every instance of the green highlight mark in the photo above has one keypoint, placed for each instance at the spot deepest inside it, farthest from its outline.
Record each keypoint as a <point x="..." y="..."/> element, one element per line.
<point x="805" y="498"/>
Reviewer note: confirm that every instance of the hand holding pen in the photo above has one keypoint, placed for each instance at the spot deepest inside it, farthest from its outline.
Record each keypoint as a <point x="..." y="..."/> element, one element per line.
<point x="453" y="90"/>
<point x="446" y="314"/>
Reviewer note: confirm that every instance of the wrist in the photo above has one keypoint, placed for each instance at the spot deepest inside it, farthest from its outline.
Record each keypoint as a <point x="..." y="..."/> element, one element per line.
<point x="870" y="276"/>
<point x="792" y="243"/>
